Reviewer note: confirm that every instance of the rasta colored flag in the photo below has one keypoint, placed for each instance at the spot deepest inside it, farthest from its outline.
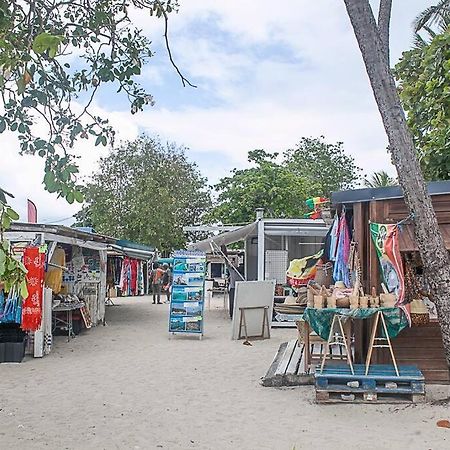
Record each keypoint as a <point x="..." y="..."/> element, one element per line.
<point x="385" y="239"/>
<point x="315" y="204"/>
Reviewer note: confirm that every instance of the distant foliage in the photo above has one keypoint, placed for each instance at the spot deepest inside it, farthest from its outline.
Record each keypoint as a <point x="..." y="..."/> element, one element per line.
<point x="146" y="191"/>
<point x="424" y="86"/>
<point x="281" y="184"/>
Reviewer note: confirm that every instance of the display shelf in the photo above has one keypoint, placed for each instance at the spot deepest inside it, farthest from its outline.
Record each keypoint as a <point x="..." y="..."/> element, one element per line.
<point x="188" y="288"/>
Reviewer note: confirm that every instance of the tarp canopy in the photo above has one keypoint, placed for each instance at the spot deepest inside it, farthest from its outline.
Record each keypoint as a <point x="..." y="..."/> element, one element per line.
<point x="227" y="238"/>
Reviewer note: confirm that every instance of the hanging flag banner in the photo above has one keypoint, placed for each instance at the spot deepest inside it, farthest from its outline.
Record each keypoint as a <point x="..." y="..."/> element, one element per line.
<point x="385" y="239"/>
<point x="34" y="261"/>
<point x="32" y="212"/>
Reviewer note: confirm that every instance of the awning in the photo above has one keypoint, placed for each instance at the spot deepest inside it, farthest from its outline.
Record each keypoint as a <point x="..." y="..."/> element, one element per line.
<point x="225" y="238"/>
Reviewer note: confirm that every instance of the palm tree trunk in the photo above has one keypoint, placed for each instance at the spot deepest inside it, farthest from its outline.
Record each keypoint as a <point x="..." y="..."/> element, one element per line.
<point x="435" y="258"/>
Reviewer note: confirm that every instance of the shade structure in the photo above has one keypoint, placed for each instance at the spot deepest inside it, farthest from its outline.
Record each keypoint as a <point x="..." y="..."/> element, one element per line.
<point x="225" y="238"/>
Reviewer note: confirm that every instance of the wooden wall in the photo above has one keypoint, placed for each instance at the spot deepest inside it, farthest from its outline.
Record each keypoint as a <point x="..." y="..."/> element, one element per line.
<point x="420" y="346"/>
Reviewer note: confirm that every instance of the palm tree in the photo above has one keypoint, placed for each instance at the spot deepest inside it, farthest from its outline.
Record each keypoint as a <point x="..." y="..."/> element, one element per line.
<point x="380" y="179"/>
<point x="434" y="20"/>
<point x="434" y="15"/>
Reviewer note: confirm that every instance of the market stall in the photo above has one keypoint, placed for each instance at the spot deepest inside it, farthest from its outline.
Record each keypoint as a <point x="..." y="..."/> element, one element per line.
<point x="373" y="306"/>
<point x="66" y="281"/>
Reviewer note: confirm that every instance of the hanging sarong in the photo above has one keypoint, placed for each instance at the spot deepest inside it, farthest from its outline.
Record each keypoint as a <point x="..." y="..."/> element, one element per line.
<point x="341" y="270"/>
<point x="385" y="239"/>
<point x="34" y="261"/>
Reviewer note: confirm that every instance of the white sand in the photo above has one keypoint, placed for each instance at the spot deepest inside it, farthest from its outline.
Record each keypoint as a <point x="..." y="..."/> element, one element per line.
<point x="127" y="386"/>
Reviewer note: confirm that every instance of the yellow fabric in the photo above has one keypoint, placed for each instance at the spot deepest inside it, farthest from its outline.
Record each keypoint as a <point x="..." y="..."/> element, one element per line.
<point x="53" y="277"/>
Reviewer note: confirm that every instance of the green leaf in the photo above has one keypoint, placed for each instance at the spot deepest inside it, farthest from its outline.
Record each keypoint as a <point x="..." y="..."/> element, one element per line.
<point x="46" y="42"/>
<point x="98" y="140"/>
<point x="79" y="197"/>
<point x="23" y="289"/>
<point x="12" y="214"/>
<point x="70" y="197"/>
<point x="6" y="222"/>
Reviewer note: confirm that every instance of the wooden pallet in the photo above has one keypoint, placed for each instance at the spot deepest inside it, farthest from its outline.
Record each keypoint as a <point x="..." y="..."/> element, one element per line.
<point x="331" y="384"/>
<point x="288" y="367"/>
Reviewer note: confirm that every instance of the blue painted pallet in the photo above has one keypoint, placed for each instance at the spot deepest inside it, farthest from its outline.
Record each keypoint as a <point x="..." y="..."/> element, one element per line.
<point x="335" y="379"/>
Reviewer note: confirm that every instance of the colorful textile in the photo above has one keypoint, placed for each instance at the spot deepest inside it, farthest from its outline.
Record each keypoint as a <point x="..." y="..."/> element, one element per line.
<point x="320" y="319"/>
<point x="34" y="261"/>
<point x="301" y="271"/>
<point x="11" y="307"/>
<point x="54" y="275"/>
<point x="385" y="239"/>
<point x="341" y="270"/>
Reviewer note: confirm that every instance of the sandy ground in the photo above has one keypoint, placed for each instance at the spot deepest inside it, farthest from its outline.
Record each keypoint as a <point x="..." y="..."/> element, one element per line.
<point x="128" y="386"/>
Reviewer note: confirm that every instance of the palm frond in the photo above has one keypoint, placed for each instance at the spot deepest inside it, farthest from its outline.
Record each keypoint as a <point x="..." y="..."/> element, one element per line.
<point x="432" y="15"/>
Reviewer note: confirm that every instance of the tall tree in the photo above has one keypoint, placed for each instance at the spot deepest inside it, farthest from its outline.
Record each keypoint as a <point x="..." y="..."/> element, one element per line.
<point x="435" y="258"/>
<point x="423" y="79"/>
<point x="46" y="93"/>
<point x="267" y="185"/>
<point x="380" y="179"/>
<point x="327" y="167"/>
<point x="281" y="184"/>
<point x="146" y="191"/>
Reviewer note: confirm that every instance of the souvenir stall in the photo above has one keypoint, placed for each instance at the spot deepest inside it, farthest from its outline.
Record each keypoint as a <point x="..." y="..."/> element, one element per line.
<point x="68" y="289"/>
<point x="377" y="268"/>
<point x="368" y="312"/>
<point x="380" y="216"/>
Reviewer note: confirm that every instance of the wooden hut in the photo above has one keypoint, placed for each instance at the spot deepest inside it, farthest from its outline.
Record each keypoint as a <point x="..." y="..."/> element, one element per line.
<point x="421" y="346"/>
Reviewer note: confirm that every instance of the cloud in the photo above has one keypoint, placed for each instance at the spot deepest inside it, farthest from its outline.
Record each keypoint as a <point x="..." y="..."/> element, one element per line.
<point x="268" y="74"/>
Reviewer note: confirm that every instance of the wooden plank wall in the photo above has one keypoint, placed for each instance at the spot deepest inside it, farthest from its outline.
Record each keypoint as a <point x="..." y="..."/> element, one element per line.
<point x="420" y="346"/>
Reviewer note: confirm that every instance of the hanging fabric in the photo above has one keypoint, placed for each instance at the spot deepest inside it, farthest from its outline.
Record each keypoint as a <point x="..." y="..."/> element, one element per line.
<point x="11" y="307"/>
<point x="385" y="239"/>
<point x="341" y="270"/>
<point x="34" y="261"/>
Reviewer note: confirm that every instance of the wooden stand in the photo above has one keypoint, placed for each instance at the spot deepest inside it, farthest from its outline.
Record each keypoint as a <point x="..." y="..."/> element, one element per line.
<point x="243" y="322"/>
<point x="337" y="337"/>
<point x="375" y="342"/>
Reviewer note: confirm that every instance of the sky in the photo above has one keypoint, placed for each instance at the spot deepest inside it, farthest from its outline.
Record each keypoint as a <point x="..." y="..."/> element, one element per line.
<point x="268" y="73"/>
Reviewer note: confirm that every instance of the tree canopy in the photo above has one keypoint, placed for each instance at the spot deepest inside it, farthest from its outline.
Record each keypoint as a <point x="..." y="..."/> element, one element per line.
<point x="281" y="184"/>
<point x="424" y="79"/>
<point x="146" y="191"/>
<point x="55" y="55"/>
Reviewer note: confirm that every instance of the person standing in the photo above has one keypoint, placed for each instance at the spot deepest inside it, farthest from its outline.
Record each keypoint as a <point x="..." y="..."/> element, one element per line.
<point x="167" y="281"/>
<point x="157" y="278"/>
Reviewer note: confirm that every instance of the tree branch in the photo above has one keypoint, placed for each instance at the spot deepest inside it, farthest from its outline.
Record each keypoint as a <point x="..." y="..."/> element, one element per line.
<point x="384" y="19"/>
<point x="184" y="80"/>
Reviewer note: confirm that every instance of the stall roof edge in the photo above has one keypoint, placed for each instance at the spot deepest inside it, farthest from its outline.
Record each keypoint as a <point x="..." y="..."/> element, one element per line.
<point x="384" y="193"/>
<point x="62" y="230"/>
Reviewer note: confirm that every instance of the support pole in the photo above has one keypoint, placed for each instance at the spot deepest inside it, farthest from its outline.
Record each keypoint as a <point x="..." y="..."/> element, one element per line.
<point x="261" y="238"/>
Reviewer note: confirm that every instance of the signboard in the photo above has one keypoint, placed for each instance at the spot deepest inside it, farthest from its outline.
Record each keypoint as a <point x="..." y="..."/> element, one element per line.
<point x="188" y="292"/>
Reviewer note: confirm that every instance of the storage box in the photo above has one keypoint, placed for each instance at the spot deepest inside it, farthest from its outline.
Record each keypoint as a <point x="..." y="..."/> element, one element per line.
<point x="12" y="351"/>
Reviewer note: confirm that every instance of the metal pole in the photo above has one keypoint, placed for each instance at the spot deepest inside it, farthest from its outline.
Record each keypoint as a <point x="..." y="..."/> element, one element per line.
<point x="261" y="237"/>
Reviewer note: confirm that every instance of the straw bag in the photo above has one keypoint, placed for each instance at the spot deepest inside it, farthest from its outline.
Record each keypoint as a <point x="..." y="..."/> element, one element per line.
<point x="419" y="313"/>
<point x="324" y="274"/>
